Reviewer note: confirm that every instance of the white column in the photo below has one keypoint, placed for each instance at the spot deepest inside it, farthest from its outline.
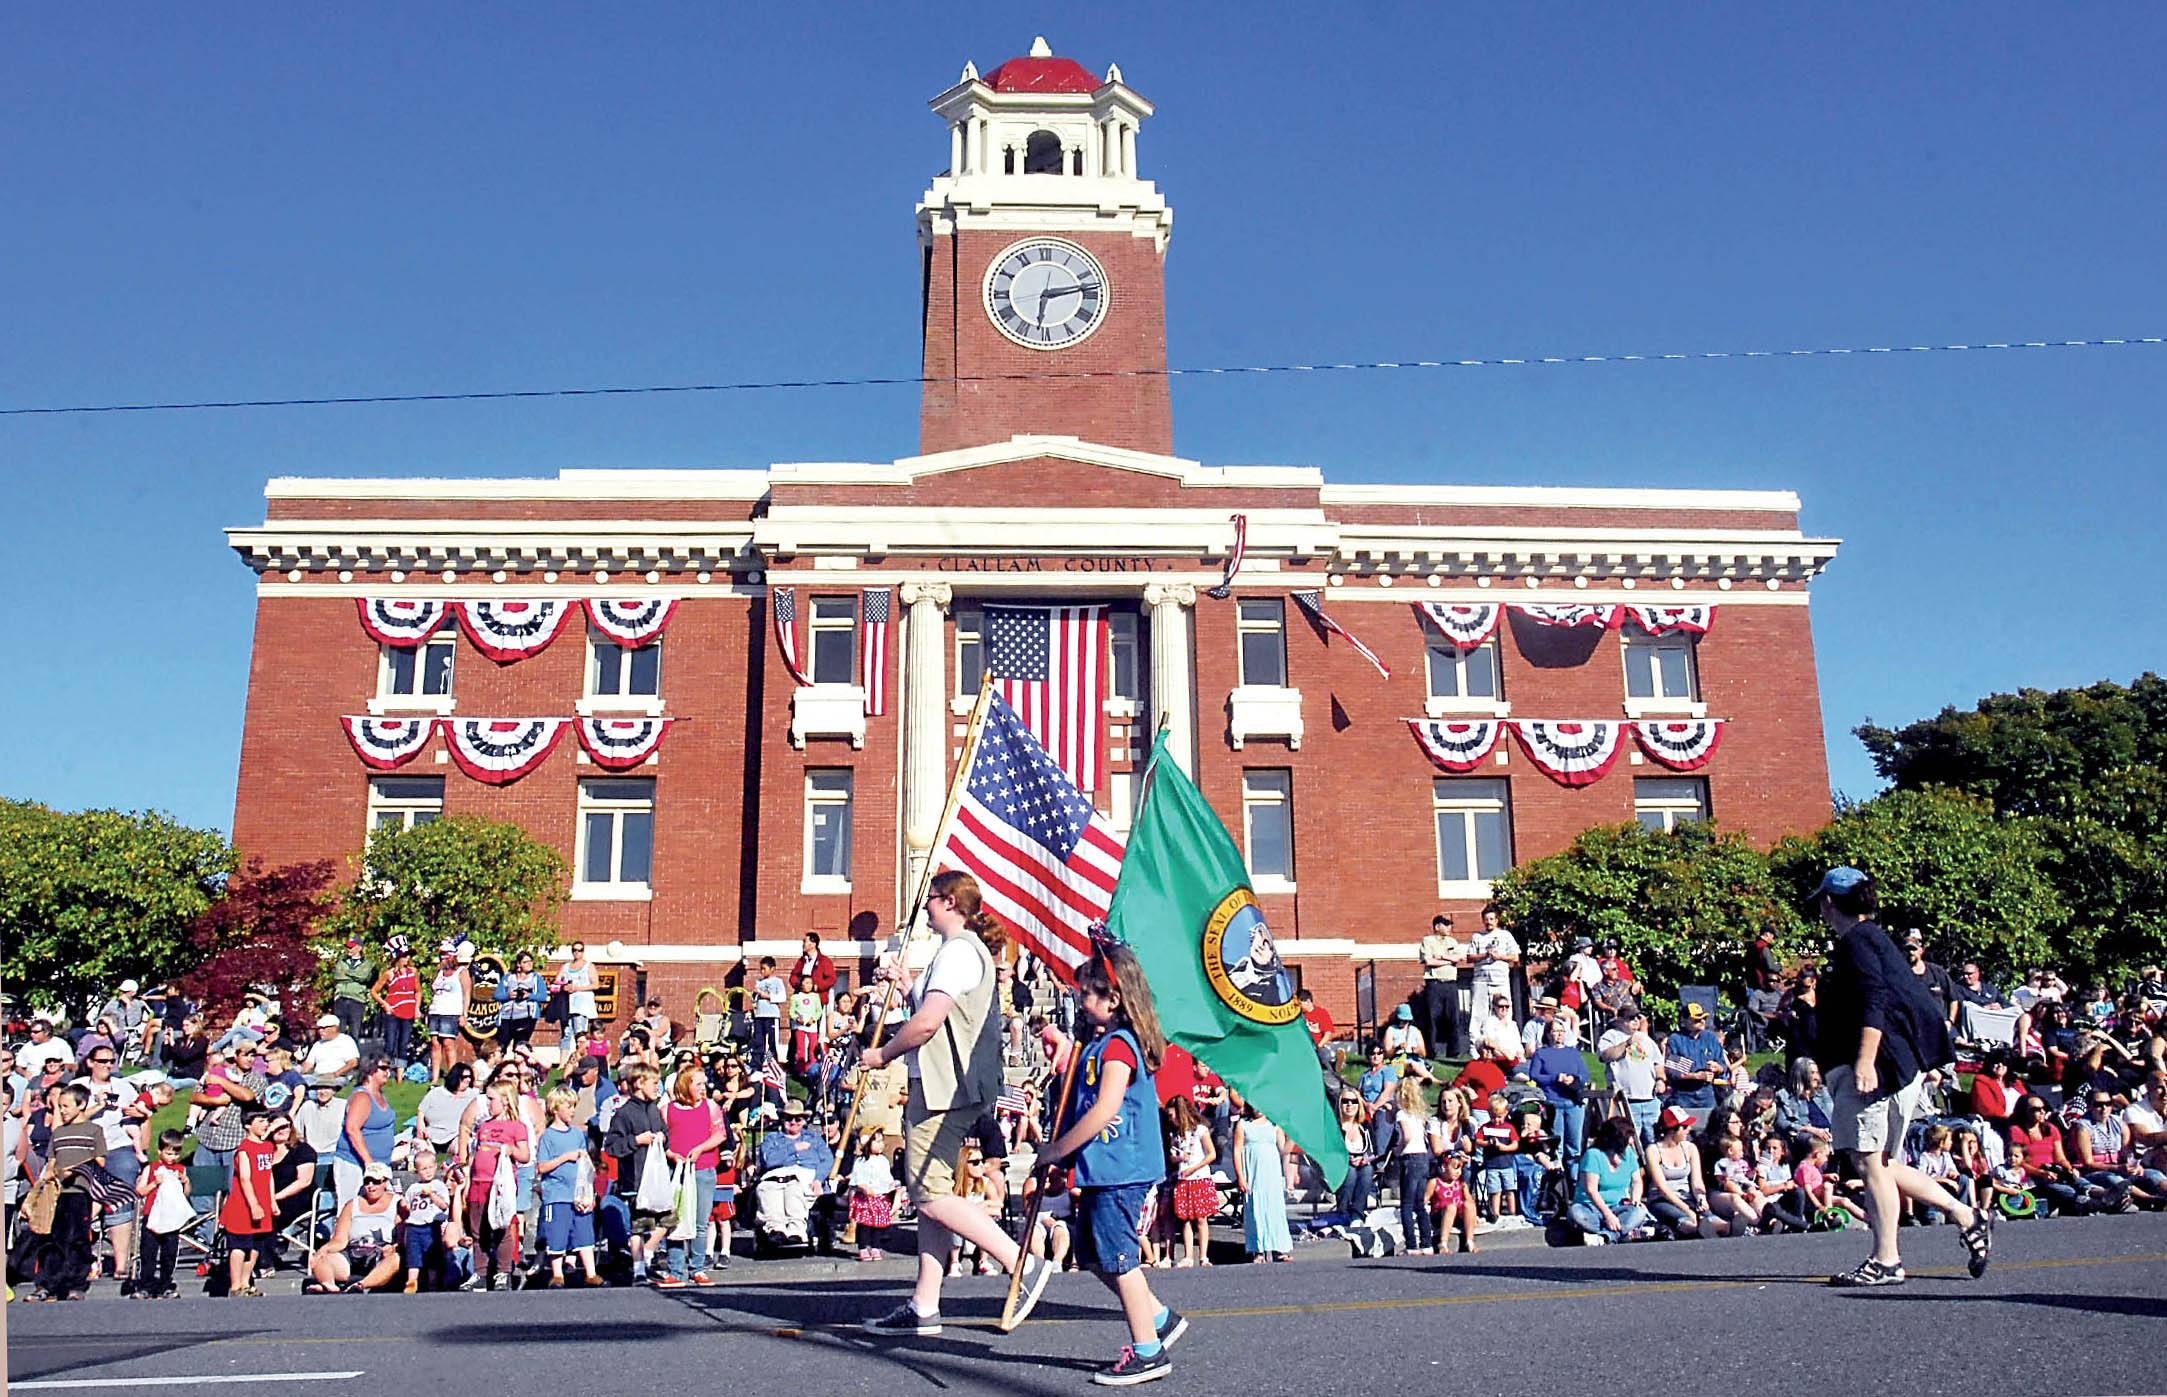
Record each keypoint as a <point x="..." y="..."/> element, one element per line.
<point x="925" y="726"/>
<point x="1128" y="150"/>
<point x="955" y="149"/>
<point x="1171" y="700"/>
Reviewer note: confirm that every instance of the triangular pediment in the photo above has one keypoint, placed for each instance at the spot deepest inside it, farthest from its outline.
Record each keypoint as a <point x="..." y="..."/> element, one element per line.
<point x="1040" y="471"/>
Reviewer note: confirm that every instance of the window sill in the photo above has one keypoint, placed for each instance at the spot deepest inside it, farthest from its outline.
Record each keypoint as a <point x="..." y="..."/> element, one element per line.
<point x="1435" y="707"/>
<point x="1120" y="707"/>
<point x="827" y="710"/>
<point x="962" y="704"/>
<point x="824" y="887"/>
<point x="612" y="892"/>
<point x="1264" y="710"/>
<point x="1474" y="890"/>
<point x="439" y="704"/>
<point x="596" y="705"/>
<point x="1271" y="887"/>
<point x="1664" y="708"/>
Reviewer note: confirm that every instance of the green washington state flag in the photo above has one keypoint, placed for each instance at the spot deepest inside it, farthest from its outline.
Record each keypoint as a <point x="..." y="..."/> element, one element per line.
<point x="1184" y="905"/>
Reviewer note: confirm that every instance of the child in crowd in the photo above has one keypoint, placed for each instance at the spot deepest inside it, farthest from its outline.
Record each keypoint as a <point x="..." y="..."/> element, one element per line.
<point x="1936" y="1162"/>
<point x="567" y="1176"/>
<point x="247" y="1215"/>
<point x="1828" y="1206"/>
<point x="985" y="1182"/>
<point x="423" y="1208"/>
<point x="161" y="1247"/>
<point x="1972" y="1169"/>
<point x="721" y="1217"/>
<point x="1736" y="1196"/>
<point x="806" y="1012"/>
<point x="1783" y="1204"/>
<point x="872" y="1195"/>
<point x="1450" y="1203"/>
<point x="1499" y="1142"/>
<point x="2009" y="1195"/>
<point x="1110" y="1132"/>
<point x="1536" y="1159"/>
<point x="1196" y="1198"/>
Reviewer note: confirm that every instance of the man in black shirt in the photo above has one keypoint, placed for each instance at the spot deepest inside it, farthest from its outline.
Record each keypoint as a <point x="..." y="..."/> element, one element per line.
<point x="1939" y="982"/>
<point x="1879" y="1031"/>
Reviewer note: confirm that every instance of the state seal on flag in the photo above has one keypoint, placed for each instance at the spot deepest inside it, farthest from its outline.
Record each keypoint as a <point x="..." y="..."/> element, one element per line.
<point x="1242" y="962"/>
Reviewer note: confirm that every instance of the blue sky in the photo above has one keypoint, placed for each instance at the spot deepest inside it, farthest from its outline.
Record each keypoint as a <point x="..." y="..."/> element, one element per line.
<point x="274" y="200"/>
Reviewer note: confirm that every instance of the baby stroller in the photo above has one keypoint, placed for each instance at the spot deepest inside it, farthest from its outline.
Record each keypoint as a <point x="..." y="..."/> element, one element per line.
<point x="786" y="1213"/>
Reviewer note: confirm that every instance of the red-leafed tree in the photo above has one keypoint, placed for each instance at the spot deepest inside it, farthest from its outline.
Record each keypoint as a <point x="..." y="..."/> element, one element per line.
<point x="257" y="938"/>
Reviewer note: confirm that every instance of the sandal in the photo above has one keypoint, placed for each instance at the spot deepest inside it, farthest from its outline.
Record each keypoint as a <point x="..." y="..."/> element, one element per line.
<point x="1978" y="1240"/>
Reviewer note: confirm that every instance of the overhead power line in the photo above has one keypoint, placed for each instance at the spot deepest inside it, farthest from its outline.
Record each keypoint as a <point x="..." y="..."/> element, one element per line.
<point x="774" y="385"/>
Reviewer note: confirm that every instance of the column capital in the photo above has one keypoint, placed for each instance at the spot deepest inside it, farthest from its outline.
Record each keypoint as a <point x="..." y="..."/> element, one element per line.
<point x="1178" y="593"/>
<point x="938" y="593"/>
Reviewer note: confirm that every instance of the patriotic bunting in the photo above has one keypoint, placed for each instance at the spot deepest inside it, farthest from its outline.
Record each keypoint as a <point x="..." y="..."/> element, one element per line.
<point x="1569" y="752"/>
<point x="1312" y="601"/>
<point x="1570" y="614"/>
<point x="385" y="743"/>
<point x="500" y="750"/>
<point x="632" y="622"/>
<point x="400" y="622"/>
<point x="784" y="601"/>
<point x="1465" y="626"/>
<point x="1457" y="745"/>
<point x="618" y="743"/>
<point x="512" y="630"/>
<point x="1233" y="560"/>
<point x="1682" y="744"/>
<point x="1049" y="664"/>
<point x="1661" y="620"/>
<point x="874" y="610"/>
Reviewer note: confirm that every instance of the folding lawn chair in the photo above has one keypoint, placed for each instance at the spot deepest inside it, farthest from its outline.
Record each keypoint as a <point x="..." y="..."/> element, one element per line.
<point x="204" y="1181"/>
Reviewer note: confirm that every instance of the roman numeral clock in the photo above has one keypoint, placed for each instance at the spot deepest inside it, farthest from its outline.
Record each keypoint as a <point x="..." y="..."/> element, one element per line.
<point x="1046" y="293"/>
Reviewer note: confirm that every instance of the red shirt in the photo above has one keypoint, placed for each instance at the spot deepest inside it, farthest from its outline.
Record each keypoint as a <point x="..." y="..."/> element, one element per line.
<point x="256" y="1179"/>
<point x="402" y="994"/>
<point x="1320" y="1023"/>
<point x="820" y="967"/>
<point x="1482" y="1077"/>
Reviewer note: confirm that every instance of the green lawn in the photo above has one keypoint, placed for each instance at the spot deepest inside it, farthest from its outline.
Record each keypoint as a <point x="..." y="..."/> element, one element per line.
<point x="405" y="1098"/>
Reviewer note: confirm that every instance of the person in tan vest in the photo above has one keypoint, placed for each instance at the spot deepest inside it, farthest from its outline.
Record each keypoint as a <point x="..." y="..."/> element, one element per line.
<point x="952" y="1045"/>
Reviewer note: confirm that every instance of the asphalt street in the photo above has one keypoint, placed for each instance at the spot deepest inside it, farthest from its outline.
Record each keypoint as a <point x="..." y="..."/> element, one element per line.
<point x="2083" y="1298"/>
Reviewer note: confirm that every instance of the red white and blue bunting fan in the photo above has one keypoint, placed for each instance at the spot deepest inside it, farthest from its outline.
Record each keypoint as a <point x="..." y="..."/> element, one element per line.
<point x="1457" y="745"/>
<point x="1225" y="588"/>
<point x="618" y="743"/>
<point x="1465" y="626"/>
<point x="512" y="630"/>
<point x="500" y="750"/>
<point x="1569" y="614"/>
<point x="1312" y="601"/>
<point x="1571" y="753"/>
<point x="386" y="743"/>
<point x="401" y="622"/>
<point x="632" y="622"/>
<point x="1682" y="744"/>
<point x="1661" y="620"/>
<point x="875" y="608"/>
<point x="784" y="603"/>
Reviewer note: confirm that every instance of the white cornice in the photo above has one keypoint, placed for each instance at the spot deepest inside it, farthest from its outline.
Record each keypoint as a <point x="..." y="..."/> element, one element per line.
<point x="719" y="484"/>
<point x="1561" y="497"/>
<point x="910" y="469"/>
<point x="875" y="530"/>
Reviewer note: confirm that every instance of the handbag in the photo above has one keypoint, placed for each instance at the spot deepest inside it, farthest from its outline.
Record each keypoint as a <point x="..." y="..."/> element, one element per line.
<point x="656" y="1193"/>
<point x="169" y="1210"/>
<point x="503" y="1192"/>
<point x="686" y="1203"/>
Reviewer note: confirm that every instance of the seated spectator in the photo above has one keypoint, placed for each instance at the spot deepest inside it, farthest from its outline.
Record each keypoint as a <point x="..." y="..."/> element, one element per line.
<point x="334" y="1054"/>
<point x="2037" y="1153"/>
<point x="424" y="1217"/>
<point x="1606" y="1205"/>
<point x="1692" y="1061"/>
<point x="1937" y="1161"/>
<point x="1536" y="1031"/>
<point x="1330" y="1039"/>
<point x="1734" y="1194"/>
<point x="1805" y="1108"/>
<point x="1995" y="1090"/>
<point x="359" y="1255"/>
<point x="1817" y="1187"/>
<point x="1381" y="1077"/>
<point x="1403" y="1044"/>
<point x="1676" y="1194"/>
<point x="1479" y="1078"/>
<point x="1783" y="1203"/>
<point x="2099" y="1148"/>
<point x="1452" y="1204"/>
<point x="1498" y="1038"/>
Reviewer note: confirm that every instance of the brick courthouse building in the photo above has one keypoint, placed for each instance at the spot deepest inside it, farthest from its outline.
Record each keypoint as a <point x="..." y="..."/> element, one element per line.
<point x="599" y="656"/>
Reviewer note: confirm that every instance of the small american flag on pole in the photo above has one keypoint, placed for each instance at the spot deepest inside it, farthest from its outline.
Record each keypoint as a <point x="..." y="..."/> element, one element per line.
<point x="1013" y="1101"/>
<point x="874" y="611"/>
<point x="1045" y="860"/>
<point x="784" y="603"/>
<point x="1312" y="601"/>
<point x="771" y="1074"/>
<point x="1049" y="664"/>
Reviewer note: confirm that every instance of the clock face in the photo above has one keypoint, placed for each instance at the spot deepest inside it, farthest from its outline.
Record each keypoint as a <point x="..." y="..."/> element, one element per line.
<point x="1046" y="294"/>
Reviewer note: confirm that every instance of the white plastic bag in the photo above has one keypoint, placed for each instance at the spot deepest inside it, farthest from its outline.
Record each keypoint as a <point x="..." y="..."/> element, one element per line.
<point x="169" y="1210"/>
<point x="686" y="1203"/>
<point x="583" y="1185"/>
<point x="657" y="1191"/>
<point x="504" y="1192"/>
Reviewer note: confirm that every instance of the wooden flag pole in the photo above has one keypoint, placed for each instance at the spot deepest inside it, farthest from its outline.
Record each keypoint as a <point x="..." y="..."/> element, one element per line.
<point x="1038" y="1197"/>
<point x="917" y="908"/>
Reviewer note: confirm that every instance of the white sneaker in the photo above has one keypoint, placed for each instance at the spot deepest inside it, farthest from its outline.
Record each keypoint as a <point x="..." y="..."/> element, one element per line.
<point x="1035" y="1275"/>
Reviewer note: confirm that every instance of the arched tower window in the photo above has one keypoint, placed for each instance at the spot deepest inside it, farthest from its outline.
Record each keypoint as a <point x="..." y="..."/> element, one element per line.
<point x="1042" y="154"/>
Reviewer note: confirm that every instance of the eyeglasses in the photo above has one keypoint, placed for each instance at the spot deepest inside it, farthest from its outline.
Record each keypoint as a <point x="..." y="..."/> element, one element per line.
<point x="103" y="1061"/>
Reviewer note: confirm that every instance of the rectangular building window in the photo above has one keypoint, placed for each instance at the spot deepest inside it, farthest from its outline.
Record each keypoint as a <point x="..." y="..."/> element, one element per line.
<point x="1464" y="674"/>
<point x="1665" y="802"/>
<point x="417" y="671"/>
<point x="970" y="650"/>
<point x="1659" y="667"/>
<point x="402" y="802"/>
<point x="1126" y="681"/>
<point x="1268" y="824"/>
<point x="835" y="640"/>
<point x="1262" y="627"/>
<point x="827" y="830"/>
<point x="1474" y="832"/>
<point x="617" y="671"/>
<point x="617" y="834"/>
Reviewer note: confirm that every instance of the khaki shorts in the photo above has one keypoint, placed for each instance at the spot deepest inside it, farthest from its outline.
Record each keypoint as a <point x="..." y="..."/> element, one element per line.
<point x="932" y="1142"/>
<point x="1875" y="1124"/>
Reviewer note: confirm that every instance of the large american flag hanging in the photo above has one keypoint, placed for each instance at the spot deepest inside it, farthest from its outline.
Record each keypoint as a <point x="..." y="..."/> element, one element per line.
<point x="783" y="601"/>
<point x="1312" y="601"/>
<point x="1044" y="858"/>
<point x="875" y="609"/>
<point x="1049" y="663"/>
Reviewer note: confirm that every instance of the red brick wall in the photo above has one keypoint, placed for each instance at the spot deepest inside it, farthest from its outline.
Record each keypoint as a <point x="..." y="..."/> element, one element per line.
<point x="961" y="342"/>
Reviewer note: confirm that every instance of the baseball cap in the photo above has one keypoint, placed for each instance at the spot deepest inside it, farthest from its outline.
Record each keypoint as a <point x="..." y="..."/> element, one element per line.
<point x="378" y="1170"/>
<point x="1673" y="1117"/>
<point x="1696" y="1012"/>
<point x="1840" y="879"/>
<point x="1583" y="943"/>
<point x="353" y="940"/>
<point x="1914" y="937"/>
<point x="327" y="1020"/>
<point x="129" y="987"/>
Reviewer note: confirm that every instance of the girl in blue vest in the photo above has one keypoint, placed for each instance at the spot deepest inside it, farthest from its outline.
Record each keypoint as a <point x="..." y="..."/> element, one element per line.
<point x="1111" y="1137"/>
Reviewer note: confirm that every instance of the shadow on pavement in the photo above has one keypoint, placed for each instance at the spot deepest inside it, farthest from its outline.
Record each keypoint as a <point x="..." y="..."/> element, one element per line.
<point x="1598" y="1275"/>
<point x="45" y="1355"/>
<point x="526" y="1333"/>
<point x="2132" y="1306"/>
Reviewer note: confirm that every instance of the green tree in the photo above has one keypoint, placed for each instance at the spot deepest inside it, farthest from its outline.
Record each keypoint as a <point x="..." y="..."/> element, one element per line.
<point x="487" y="879"/>
<point x="1685" y="906"/>
<point x="90" y="898"/>
<point x="1978" y="884"/>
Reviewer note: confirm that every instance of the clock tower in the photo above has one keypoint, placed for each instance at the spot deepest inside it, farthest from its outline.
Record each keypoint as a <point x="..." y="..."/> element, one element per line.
<point x="1043" y="257"/>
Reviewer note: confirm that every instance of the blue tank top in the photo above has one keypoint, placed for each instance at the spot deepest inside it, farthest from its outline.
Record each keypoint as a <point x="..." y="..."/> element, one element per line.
<point x="1130" y="1150"/>
<point x="379" y="1128"/>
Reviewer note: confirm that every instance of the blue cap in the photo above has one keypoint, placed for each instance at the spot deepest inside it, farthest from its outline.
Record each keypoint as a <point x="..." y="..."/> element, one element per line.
<point x="1405" y="1011"/>
<point x="1837" y="880"/>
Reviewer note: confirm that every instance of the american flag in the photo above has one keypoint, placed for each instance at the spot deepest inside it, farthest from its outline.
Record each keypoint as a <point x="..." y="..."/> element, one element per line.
<point x="1049" y="663"/>
<point x="1013" y="1101"/>
<point x="1225" y="588"/>
<point x="785" y="605"/>
<point x="873" y="647"/>
<point x="1312" y="601"/>
<point x="771" y="1074"/>
<point x="1044" y="858"/>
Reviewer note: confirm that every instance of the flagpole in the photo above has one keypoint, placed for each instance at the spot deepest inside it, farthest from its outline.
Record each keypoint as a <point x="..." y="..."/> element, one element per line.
<point x="917" y="907"/>
<point x="1038" y="1197"/>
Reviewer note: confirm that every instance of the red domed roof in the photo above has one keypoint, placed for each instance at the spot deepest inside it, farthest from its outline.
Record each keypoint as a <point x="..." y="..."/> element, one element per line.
<point x="1042" y="75"/>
